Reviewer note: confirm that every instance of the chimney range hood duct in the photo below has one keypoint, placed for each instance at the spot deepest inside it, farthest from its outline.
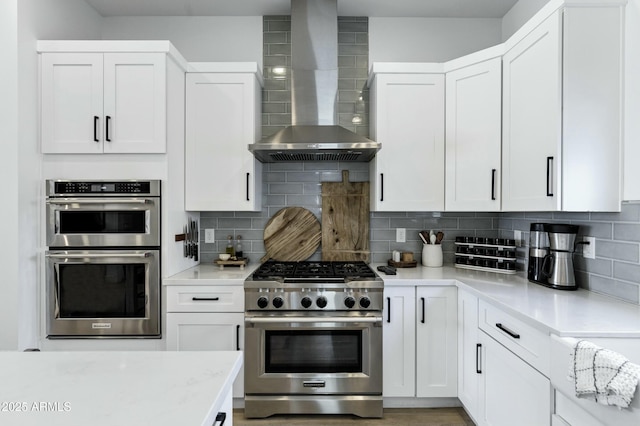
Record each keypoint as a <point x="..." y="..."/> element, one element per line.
<point x="314" y="135"/>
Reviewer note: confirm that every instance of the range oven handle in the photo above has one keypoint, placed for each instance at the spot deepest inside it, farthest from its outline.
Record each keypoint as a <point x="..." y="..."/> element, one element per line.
<point x="285" y="320"/>
<point x="105" y="200"/>
<point x="98" y="255"/>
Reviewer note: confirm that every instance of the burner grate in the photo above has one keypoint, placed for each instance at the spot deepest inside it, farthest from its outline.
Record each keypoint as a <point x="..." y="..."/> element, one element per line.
<point x="322" y="269"/>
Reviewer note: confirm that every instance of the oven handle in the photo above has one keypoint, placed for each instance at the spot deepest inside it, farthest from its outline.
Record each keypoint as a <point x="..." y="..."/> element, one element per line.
<point x="98" y="255"/>
<point x="105" y="200"/>
<point x="285" y="320"/>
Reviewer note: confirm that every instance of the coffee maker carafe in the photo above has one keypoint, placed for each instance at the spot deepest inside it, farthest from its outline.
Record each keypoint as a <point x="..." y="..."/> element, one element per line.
<point x="538" y="250"/>
<point x="557" y="266"/>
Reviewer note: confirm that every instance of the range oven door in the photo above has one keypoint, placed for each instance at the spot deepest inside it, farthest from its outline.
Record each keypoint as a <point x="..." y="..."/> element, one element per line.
<point x="103" y="221"/>
<point x="103" y="293"/>
<point x="337" y="353"/>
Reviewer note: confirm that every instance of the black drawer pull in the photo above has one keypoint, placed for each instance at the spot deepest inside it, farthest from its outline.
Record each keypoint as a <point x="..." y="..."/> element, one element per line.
<point x="388" y="309"/>
<point x="220" y="418"/>
<point x="478" y="347"/>
<point x="506" y="330"/>
<point x="423" y="311"/>
<point x="237" y="337"/>
<point x="205" y="299"/>
<point x="381" y="186"/>
<point x="95" y="128"/>
<point x="549" y="175"/>
<point x="106" y="126"/>
<point x="493" y="184"/>
<point x="248" y="175"/>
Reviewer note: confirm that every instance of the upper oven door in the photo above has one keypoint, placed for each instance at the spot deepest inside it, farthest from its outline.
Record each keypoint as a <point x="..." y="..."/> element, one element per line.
<point x="336" y="353"/>
<point x="103" y="222"/>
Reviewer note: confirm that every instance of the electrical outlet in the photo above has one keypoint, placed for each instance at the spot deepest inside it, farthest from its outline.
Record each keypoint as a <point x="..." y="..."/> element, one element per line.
<point x="209" y="236"/>
<point x="517" y="235"/>
<point x="589" y="250"/>
<point x="401" y="235"/>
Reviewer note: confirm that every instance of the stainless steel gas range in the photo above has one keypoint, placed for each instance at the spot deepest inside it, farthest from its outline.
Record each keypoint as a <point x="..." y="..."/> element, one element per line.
<point x="313" y="339"/>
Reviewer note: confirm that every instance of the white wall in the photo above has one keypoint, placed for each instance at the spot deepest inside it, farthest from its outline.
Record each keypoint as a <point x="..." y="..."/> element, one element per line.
<point x="37" y="19"/>
<point x="429" y="39"/>
<point x="8" y="174"/>
<point x="632" y="102"/>
<point x="520" y="13"/>
<point x="199" y="39"/>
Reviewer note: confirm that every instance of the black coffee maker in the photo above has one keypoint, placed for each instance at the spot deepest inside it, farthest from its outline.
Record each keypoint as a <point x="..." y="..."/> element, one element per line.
<point x="538" y="250"/>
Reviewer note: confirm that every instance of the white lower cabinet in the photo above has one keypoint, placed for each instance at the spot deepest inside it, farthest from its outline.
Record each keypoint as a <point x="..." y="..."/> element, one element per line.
<point x="419" y="342"/>
<point x="511" y="391"/>
<point x="206" y="318"/>
<point x="496" y="381"/>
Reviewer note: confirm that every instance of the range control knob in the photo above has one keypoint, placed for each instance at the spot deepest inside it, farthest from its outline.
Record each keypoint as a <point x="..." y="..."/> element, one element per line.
<point x="349" y="302"/>
<point x="278" y="302"/>
<point x="365" y="302"/>
<point x="263" y="302"/>
<point x="306" y="302"/>
<point x="321" y="302"/>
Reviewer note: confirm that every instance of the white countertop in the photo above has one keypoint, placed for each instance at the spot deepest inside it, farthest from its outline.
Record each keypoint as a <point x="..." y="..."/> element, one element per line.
<point x="579" y="313"/>
<point x="210" y="274"/>
<point x="115" y="388"/>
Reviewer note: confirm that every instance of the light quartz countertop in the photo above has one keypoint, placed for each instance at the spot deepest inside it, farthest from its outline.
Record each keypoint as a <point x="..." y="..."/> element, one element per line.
<point x="579" y="313"/>
<point x="209" y="274"/>
<point x="115" y="388"/>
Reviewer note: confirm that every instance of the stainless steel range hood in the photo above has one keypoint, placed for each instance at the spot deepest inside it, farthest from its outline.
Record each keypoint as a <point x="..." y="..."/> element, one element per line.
<point x="314" y="134"/>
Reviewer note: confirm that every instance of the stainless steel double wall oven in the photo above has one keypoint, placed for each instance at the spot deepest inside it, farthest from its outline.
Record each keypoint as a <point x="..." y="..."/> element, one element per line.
<point x="103" y="259"/>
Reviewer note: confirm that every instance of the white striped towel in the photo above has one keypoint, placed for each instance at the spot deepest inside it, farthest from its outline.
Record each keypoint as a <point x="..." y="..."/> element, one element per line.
<point x="603" y="375"/>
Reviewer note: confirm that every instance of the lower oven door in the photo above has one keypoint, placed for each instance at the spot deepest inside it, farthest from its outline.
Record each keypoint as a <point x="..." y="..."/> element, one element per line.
<point x="103" y="293"/>
<point x="336" y="353"/>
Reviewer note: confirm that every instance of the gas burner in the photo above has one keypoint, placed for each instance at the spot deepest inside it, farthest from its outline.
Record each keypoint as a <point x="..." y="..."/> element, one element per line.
<point x="345" y="271"/>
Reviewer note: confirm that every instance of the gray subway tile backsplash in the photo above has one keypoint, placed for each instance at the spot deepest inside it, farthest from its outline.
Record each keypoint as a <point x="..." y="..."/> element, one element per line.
<point x="615" y="271"/>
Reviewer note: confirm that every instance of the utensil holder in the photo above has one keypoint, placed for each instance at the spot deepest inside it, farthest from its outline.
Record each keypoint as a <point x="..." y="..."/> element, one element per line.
<point x="432" y="255"/>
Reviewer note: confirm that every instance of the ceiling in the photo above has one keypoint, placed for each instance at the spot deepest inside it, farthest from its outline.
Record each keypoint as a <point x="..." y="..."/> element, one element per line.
<point x="380" y="8"/>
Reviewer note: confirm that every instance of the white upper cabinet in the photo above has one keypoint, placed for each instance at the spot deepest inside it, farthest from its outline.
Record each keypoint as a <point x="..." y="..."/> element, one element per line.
<point x="562" y="97"/>
<point x="473" y="136"/>
<point x="222" y="118"/>
<point x="103" y="102"/>
<point x="407" y="118"/>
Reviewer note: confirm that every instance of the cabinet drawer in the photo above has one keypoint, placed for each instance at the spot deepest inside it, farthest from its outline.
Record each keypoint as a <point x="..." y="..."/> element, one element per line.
<point x="530" y="344"/>
<point x="205" y="299"/>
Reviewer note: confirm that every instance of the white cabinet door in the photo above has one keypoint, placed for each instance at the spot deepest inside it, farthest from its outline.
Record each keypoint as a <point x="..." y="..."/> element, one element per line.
<point x="188" y="331"/>
<point x="135" y="102"/>
<point x="436" y="342"/>
<point x="468" y="352"/>
<point x="407" y="174"/>
<point x="72" y="103"/>
<point x="473" y="137"/>
<point x="532" y="114"/>
<point x="511" y="391"/>
<point x="221" y="120"/>
<point x="96" y="103"/>
<point x="399" y="342"/>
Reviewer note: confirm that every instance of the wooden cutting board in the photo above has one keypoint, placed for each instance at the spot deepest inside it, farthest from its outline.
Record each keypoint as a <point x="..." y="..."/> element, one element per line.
<point x="292" y="234"/>
<point x="345" y="220"/>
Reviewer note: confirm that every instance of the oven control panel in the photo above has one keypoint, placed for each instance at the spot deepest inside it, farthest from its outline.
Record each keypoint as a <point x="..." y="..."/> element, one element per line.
<point x="100" y="188"/>
<point x="313" y="299"/>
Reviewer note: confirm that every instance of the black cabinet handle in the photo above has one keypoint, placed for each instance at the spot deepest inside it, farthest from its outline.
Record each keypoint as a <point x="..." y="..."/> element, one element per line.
<point x="220" y="418"/>
<point x="493" y="184"/>
<point x="209" y="299"/>
<point x="549" y="170"/>
<point x="381" y="186"/>
<point x="248" y="186"/>
<point x="237" y="337"/>
<point x="107" y="124"/>
<point x="506" y="330"/>
<point x="422" y="300"/>
<point x="478" y="347"/>
<point x="95" y="128"/>
<point x="388" y="309"/>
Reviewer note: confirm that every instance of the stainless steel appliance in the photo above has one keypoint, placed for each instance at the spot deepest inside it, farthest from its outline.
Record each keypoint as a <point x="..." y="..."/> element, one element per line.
<point x="558" y="264"/>
<point x="538" y="250"/>
<point x="313" y="339"/>
<point x="103" y="263"/>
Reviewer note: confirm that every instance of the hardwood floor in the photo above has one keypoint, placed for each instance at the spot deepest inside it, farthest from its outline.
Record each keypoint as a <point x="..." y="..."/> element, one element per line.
<point x="392" y="417"/>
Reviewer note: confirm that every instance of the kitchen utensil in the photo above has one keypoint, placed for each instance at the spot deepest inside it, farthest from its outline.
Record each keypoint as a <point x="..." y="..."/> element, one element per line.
<point x="439" y="237"/>
<point x="292" y="234"/>
<point x="424" y="240"/>
<point x="432" y="238"/>
<point x="345" y="220"/>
